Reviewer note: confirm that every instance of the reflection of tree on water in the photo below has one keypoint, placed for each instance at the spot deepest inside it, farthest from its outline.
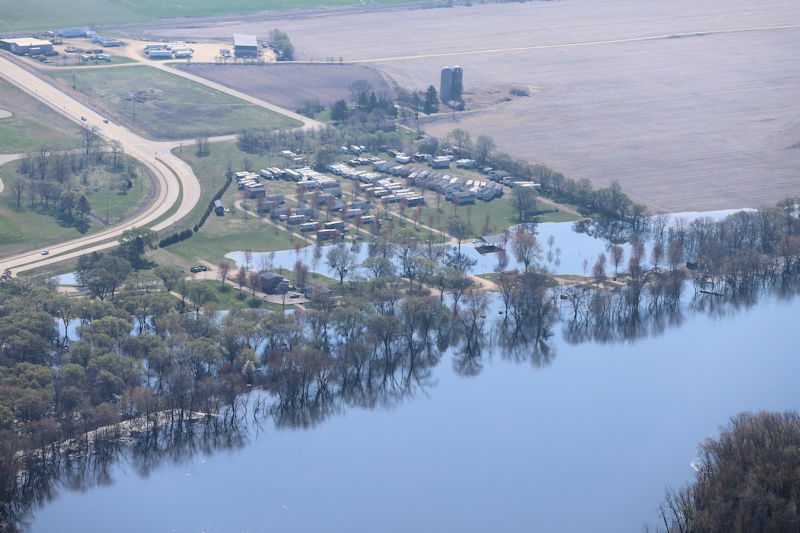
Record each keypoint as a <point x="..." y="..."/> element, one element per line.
<point x="608" y="317"/>
<point x="89" y="464"/>
<point x="365" y="361"/>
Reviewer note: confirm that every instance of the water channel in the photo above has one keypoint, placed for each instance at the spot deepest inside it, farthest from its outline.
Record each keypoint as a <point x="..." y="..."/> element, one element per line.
<point x="587" y="439"/>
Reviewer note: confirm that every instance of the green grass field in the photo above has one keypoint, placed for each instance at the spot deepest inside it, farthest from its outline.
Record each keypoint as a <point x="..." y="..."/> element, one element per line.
<point x="500" y="210"/>
<point x="229" y="297"/>
<point x="46" y="14"/>
<point x="32" y="124"/>
<point x="232" y="232"/>
<point x="33" y="226"/>
<point x="313" y="278"/>
<point x="168" y="106"/>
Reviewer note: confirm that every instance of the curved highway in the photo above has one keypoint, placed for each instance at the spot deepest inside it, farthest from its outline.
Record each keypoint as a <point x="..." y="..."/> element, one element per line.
<point x="174" y="176"/>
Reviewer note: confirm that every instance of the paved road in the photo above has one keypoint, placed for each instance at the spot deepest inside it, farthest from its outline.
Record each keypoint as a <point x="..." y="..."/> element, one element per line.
<point x="172" y="174"/>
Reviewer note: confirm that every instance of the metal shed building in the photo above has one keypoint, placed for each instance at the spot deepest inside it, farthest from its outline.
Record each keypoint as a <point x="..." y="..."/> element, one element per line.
<point x="27" y="45"/>
<point x="245" y="45"/>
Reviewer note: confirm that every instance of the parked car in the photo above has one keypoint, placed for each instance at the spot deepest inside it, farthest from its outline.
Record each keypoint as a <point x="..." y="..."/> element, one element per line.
<point x="295" y="295"/>
<point x="105" y="121"/>
<point x="83" y="119"/>
<point x="199" y="268"/>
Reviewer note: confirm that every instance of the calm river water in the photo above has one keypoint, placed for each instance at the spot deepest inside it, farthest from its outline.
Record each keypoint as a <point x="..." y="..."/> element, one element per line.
<point x="588" y="442"/>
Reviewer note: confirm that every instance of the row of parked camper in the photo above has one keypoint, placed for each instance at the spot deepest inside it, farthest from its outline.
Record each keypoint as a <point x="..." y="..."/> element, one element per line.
<point x="455" y="189"/>
<point x="377" y="185"/>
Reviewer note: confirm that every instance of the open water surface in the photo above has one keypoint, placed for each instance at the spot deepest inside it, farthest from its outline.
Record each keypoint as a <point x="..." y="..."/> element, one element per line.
<point x="585" y="440"/>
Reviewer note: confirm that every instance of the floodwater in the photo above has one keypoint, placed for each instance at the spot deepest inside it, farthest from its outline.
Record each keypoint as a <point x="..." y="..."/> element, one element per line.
<point x="588" y="441"/>
<point x="569" y="250"/>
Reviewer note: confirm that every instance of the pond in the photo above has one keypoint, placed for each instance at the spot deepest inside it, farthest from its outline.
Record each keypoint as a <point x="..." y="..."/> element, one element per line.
<point x="585" y="441"/>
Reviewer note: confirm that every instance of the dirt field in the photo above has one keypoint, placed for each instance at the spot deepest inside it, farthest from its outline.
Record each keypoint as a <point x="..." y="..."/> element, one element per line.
<point x="691" y="123"/>
<point x="289" y="85"/>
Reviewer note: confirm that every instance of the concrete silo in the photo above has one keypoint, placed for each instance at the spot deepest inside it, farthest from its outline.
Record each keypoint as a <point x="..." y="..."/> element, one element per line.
<point x="446" y="84"/>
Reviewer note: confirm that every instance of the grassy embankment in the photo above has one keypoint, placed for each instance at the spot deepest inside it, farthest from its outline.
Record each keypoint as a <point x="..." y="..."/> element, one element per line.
<point x="167" y="106"/>
<point x="46" y="14"/>
<point x="33" y="226"/>
<point x="32" y="124"/>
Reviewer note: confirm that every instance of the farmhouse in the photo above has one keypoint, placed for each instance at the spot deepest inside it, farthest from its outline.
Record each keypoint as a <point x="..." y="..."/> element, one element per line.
<point x="245" y="45"/>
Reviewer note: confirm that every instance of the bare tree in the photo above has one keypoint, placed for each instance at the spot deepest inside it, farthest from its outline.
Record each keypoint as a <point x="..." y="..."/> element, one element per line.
<point x="89" y="136"/>
<point x="657" y="254"/>
<point x="224" y="270"/>
<point x="116" y="151"/>
<point x="342" y="260"/>
<point x="599" y="272"/>
<point x="484" y="146"/>
<point x="18" y="188"/>
<point x="359" y="93"/>
<point x="674" y="254"/>
<point x="524" y="201"/>
<point x="617" y="256"/>
<point x="241" y="277"/>
<point x="60" y="165"/>
<point x="461" y="140"/>
<point x="526" y="248"/>
<point x="254" y="281"/>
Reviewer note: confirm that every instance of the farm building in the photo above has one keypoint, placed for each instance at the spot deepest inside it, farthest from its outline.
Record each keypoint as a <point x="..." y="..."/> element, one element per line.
<point x="159" y="54"/>
<point x="245" y="45"/>
<point x="105" y="41"/>
<point x="27" y="46"/>
<point x="72" y="32"/>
